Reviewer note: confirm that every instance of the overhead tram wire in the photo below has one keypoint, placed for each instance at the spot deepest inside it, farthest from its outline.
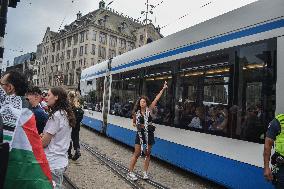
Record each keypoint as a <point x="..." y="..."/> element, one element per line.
<point x="185" y="15"/>
<point x="66" y="13"/>
<point x="152" y="7"/>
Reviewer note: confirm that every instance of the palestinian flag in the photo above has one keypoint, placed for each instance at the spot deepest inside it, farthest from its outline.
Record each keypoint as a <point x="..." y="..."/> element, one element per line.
<point x="27" y="167"/>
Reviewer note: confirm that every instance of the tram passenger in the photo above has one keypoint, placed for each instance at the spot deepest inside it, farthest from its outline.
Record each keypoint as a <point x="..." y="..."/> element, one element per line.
<point x="222" y="120"/>
<point x="252" y="127"/>
<point x="142" y="120"/>
<point x="275" y="135"/>
<point x="198" y="121"/>
<point x="56" y="135"/>
<point x="78" y="112"/>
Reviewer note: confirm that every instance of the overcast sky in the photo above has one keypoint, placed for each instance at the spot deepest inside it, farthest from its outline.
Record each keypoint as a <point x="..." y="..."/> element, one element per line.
<point x="28" y="22"/>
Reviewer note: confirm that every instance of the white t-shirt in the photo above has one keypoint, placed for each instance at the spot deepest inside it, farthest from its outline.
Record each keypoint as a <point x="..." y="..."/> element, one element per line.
<point x="56" y="151"/>
<point x="196" y="123"/>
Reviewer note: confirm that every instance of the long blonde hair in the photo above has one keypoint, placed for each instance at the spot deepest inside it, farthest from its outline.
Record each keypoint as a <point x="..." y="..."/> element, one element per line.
<point x="74" y="99"/>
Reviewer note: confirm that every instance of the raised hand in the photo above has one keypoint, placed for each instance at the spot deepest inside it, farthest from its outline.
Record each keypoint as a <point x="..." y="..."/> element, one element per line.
<point x="165" y="85"/>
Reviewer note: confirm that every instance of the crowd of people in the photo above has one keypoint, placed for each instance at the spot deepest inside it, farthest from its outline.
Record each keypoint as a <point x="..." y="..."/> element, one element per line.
<point x="57" y="115"/>
<point x="209" y="118"/>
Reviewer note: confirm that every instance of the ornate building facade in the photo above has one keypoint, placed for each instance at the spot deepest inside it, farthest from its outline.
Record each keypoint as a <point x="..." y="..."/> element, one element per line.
<point x="90" y="39"/>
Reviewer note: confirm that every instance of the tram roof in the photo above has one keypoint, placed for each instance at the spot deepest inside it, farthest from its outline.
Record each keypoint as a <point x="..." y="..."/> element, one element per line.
<point x="174" y="46"/>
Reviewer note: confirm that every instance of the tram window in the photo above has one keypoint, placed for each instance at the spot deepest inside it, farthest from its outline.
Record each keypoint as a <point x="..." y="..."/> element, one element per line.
<point x="153" y="82"/>
<point x="125" y="91"/>
<point x="257" y="89"/>
<point x="94" y="97"/>
<point x="97" y="102"/>
<point x="202" y="90"/>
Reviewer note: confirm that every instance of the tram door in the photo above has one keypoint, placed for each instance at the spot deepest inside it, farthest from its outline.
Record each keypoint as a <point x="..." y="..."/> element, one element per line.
<point x="106" y="97"/>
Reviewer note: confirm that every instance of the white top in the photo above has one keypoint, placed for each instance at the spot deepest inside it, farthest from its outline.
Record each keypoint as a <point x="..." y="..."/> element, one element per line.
<point x="56" y="151"/>
<point x="195" y="122"/>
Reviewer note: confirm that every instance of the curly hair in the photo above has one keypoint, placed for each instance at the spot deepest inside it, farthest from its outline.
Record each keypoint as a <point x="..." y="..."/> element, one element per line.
<point x="137" y="104"/>
<point x="62" y="103"/>
<point x="74" y="99"/>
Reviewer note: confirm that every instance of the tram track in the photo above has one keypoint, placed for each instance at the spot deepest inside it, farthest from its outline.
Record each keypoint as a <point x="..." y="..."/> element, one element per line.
<point x="120" y="169"/>
<point x="68" y="184"/>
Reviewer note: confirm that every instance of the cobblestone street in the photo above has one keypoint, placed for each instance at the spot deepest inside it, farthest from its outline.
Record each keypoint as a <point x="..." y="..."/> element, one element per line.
<point x="88" y="172"/>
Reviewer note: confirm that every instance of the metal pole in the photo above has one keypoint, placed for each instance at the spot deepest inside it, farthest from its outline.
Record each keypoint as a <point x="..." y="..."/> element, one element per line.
<point x="3" y="21"/>
<point x="146" y="28"/>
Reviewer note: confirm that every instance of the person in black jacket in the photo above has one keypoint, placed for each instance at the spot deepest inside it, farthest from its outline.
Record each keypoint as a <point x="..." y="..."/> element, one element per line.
<point x="78" y="112"/>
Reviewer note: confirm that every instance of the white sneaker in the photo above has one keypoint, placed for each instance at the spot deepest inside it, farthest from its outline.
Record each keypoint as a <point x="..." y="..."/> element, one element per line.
<point x="132" y="176"/>
<point x="145" y="176"/>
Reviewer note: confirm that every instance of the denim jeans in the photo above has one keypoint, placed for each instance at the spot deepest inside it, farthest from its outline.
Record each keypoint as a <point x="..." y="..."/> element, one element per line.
<point x="57" y="177"/>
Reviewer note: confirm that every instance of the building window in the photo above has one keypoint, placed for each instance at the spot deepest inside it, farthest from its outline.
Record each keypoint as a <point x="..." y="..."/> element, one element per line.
<point x="57" y="57"/>
<point x="111" y="53"/>
<point x="67" y="66"/>
<point x="52" y="58"/>
<point x="74" y="52"/>
<point x="69" y="41"/>
<point x="85" y="61"/>
<point x="58" y="46"/>
<point x="53" y="47"/>
<point x="94" y="37"/>
<point x="75" y="37"/>
<point x="122" y="43"/>
<point x="141" y="38"/>
<point x="102" y="52"/>
<point x="82" y="34"/>
<point x="92" y="61"/>
<point x="63" y="43"/>
<point x="93" y="49"/>
<point x="103" y="38"/>
<point x="73" y="64"/>
<point x="130" y="45"/>
<point x="68" y="54"/>
<point x="86" y="49"/>
<point x="62" y="55"/>
<point x="113" y="41"/>
<point x="87" y="35"/>
<point x="81" y="51"/>
<point x="80" y="62"/>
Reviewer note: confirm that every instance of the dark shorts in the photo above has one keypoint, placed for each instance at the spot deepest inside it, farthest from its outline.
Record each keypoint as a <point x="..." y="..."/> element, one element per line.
<point x="151" y="139"/>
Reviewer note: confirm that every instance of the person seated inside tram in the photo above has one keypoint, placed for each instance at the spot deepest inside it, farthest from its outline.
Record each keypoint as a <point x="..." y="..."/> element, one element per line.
<point x="155" y="114"/>
<point x="188" y="113"/>
<point x="198" y="122"/>
<point x="251" y="127"/>
<point x="219" y="120"/>
<point x="127" y="109"/>
<point x="116" y="107"/>
<point x="167" y="116"/>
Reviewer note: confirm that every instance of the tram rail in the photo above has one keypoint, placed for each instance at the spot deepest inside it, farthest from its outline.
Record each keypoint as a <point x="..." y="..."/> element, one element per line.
<point x="120" y="169"/>
<point x="68" y="184"/>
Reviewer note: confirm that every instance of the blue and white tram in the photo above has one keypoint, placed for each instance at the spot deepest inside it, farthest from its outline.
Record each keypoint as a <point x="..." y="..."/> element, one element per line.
<point x="227" y="72"/>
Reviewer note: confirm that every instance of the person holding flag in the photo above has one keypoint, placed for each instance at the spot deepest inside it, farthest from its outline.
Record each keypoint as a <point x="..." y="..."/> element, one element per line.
<point x="28" y="167"/>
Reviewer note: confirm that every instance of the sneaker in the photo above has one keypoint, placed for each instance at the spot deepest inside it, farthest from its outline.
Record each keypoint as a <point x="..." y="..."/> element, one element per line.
<point x="132" y="176"/>
<point x="69" y="156"/>
<point x="76" y="156"/>
<point x="145" y="176"/>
